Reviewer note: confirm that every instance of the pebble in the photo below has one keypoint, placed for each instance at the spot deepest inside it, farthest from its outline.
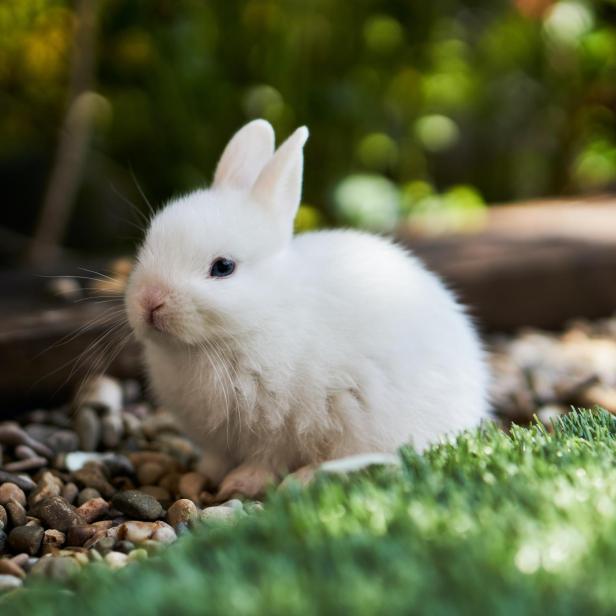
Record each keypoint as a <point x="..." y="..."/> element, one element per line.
<point x="138" y="505"/>
<point x="138" y="554"/>
<point x="138" y="532"/>
<point x="28" y="464"/>
<point x="12" y="434"/>
<point x="170" y="482"/>
<point x="93" y="509"/>
<point x="17" y="513"/>
<point x="26" y="539"/>
<point x="10" y="567"/>
<point x="218" y="512"/>
<point x="23" y="452"/>
<point x="191" y="485"/>
<point x="70" y="492"/>
<point x="103" y="393"/>
<point x="11" y="492"/>
<point x="112" y="430"/>
<point x="125" y="546"/>
<point x="79" y="535"/>
<point x="59" y="568"/>
<point x="54" y="537"/>
<point x="149" y="473"/>
<point x="182" y="511"/>
<point x="47" y="486"/>
<point x="3" y="517"/>
<point x="63" y="441"/>
<point x="160" y="494"/>
<point x="116" y="560"/>
<point x="88" y="428"/>
<point x="117" y="464"/>
<point x="57" y="513"/>
<point x="92" y="476"/>
<point x="22" y="481"/>
<point x="3" y="540"/>
<point x="87" y="494"/>
<point x="9" y="582"/>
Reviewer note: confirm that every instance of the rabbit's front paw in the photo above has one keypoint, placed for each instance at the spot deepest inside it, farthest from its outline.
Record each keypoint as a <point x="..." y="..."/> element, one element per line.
<point x="249" y="480"/>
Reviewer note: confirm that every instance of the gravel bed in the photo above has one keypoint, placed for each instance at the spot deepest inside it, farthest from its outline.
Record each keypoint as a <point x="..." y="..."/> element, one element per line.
<point x="108" y="480"/>
<point x="545" y="373"/>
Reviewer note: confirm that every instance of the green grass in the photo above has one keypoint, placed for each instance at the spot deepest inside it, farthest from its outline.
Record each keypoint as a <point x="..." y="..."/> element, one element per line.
<point x="495" y="524"/>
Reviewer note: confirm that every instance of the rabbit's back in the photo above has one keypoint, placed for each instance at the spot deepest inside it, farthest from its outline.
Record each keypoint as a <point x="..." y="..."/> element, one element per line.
<point x="392" y="328"/>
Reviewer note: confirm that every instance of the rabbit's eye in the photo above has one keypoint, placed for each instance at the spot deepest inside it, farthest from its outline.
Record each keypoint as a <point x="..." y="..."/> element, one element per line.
<point x="222" y="268"/>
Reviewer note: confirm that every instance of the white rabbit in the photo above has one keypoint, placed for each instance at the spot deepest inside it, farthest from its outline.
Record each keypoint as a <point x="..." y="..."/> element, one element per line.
<point x="276" y="351"/>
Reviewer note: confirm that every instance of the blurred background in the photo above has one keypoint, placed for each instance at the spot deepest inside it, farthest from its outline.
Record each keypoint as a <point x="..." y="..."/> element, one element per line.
<point x="427" y="120"/>
<point x="420" y="112"/>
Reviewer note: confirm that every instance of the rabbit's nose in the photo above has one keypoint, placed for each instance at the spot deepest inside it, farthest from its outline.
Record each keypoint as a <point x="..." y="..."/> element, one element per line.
<point x="152" y="303"/>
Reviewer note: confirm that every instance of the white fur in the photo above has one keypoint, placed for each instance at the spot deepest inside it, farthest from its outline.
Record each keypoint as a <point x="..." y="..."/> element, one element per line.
<point x="318" y="346"/>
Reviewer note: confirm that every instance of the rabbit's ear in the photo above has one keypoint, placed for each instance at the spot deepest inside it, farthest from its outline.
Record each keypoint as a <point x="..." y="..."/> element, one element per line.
<point x="279" y="185"/>
<point x="245" y="156"/>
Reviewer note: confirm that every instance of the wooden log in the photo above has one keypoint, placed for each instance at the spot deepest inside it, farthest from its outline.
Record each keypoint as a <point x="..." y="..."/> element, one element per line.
<point x="536" y="264"/>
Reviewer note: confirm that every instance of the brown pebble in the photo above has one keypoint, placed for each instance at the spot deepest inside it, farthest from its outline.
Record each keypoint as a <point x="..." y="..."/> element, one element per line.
<point x="79" y="535"/>
<point x="165" y="460"/>
<point x="70" y="492"/>
<point x="92" y="476"/>
<point x="182" y="511"/>
<point x="54" y="537"/>
<point x="29" y="464"/>
<point x="170" y="482"/>
<point x="26" y="539"/>
<point x="191" y="485"/>
<point x="149" y="473"/>
<point x="12" y="434"/>
<point x="93" y="509"/>
<point x="160" y="494"/>
<point x="22" y="481"/>
<point x="10" y="492"/>
<point x="57" y="513"/>
<point x="16" y="513"/>
<point x="10" y="567"/>
<point x="23" y="452"/>
<point x="48" y="485"/>
<point x="87" y="494"/>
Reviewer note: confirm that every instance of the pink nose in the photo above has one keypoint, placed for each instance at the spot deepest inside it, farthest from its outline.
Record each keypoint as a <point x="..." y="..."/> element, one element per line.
<point x="152" y="301"/>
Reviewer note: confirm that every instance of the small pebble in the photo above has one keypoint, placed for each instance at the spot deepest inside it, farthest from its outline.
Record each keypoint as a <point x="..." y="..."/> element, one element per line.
<point x="125" y="546"/>
<point x="63" y="441"/>
<point x="11" y="492"/>
<point x="28" y="464"/>
<point x="54" y="537"/>
<point x="137" y="505"/>
<point x="3" y="518"/>
<point x="160" y="494"/>
<point x="57" y="513"/>
<point x="23" y="452"/>
<point x="17" y="513"/>
<point x="88" y="428"/>
<point x="87" y="494"/>
<point x="22" y="481"/>
<point x="10" y="567"/>
<point x="47" y="486"/>
<point x="182" y="511"/>
<point x="116" y="560"/>
<point x="26" y="539"/>
<point x="3" y="540"/>
<point x="191" y="485"/>
<point x="218" y="512"/>
<point x="93" y="509"/>
<point x="149" y="473"/>
<point x="9" y="582"/>
<point x="92" y="476"/>
<point x="70" y="492"/>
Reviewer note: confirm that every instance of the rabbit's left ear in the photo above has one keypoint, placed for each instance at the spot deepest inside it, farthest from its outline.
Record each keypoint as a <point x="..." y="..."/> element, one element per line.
<point x="279" y="185"/>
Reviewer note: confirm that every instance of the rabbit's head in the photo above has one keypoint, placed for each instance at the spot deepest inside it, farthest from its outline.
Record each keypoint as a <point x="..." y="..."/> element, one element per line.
<point x="209" y="262"/>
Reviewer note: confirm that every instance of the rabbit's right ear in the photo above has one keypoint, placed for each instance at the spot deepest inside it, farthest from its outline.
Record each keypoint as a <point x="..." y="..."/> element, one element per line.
<point x="245" y="156"/>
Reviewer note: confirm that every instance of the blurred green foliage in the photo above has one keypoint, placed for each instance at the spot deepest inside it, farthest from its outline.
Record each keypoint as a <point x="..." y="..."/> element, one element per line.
<point x="409" y="103"/>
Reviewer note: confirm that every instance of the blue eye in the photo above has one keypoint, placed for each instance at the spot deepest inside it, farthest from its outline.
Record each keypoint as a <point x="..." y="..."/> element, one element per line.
<point x="221" y="268"/>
